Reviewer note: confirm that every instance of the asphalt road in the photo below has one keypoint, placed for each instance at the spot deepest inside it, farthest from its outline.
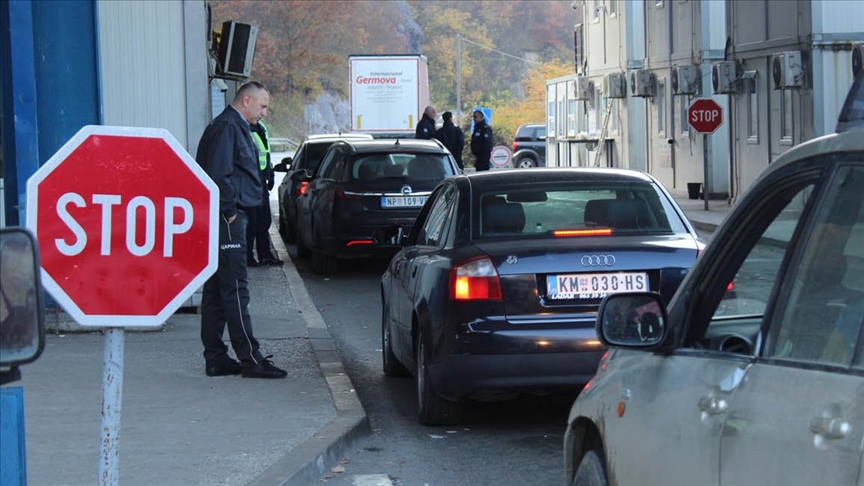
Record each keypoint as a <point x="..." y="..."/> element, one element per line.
<point x="513" y="442"/>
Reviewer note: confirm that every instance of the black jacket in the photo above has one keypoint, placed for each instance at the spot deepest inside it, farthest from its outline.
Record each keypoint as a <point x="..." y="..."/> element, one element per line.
<point x="481" y="141"/>
<point x="425" y="128"/>
<point x="453" y="138"/>
<point x="229" y="156"/>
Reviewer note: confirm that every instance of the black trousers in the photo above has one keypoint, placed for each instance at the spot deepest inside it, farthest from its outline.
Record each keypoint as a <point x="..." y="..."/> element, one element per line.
<point x="258" y="232"/>
<point x="225" y="299"/>
<point x="482" y="163"/>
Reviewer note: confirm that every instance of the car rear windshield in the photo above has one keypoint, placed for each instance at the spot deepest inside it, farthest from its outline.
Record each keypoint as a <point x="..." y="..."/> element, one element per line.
<point x="409" y="167"/>
<point x="610" y="210"/>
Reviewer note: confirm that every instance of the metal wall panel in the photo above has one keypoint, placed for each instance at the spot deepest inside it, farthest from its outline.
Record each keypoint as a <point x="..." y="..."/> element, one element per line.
<point x="142" y="64"/>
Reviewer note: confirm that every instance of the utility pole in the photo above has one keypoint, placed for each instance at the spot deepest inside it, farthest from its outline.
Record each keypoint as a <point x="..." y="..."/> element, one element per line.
<point x="458" y="78"/>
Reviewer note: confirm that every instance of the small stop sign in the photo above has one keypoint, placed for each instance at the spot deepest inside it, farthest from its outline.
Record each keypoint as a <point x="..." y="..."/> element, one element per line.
<point x="704" y="115"/>
<point x="126" y="223"/>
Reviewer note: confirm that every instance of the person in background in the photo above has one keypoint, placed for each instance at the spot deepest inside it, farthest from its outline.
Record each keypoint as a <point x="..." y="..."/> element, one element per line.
<point x="481" y="142"/>
<point x="229" y="155"/>
<point x="260" y="218"/>
<point x="426" y="126"/>
<point x="452" y="137"/>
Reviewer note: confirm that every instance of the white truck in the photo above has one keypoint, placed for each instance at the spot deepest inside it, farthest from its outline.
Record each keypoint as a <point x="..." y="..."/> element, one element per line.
<point x="388" y="93"/>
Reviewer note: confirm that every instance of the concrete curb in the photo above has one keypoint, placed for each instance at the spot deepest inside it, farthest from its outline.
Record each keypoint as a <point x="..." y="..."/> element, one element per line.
<point x="311" y="459"/>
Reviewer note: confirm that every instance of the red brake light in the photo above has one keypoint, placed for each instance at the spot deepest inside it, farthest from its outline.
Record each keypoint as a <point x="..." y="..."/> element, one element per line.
<point x="475" y="280"/>
<point x="301" y="189"/>
<point x="583" y="232"/>
<point x="358" y="242"/>
<point x="514" y="146"/>
<point x="730" y="286"/>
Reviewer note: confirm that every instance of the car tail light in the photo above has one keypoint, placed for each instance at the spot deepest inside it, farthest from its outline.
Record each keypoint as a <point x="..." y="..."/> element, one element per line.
<point x="301" y="189"/>
<point x="583" y="232"/>
<point x="730" y="287"/>
<point x="358" y="242"/>
<point x="475" y="280"/>
<point x="514" y="146"/>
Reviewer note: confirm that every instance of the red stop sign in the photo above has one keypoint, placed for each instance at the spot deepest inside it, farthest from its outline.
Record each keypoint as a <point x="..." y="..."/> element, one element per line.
<point x="704" y="115"/>
<point x="126" y="223"/>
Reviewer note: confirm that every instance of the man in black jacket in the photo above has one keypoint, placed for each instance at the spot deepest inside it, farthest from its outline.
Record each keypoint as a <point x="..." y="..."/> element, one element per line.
<point x="481" y="142"/>
<point x="426" y="126"/>
<point x="452" y="137"/>
<point x="229" y="156"/>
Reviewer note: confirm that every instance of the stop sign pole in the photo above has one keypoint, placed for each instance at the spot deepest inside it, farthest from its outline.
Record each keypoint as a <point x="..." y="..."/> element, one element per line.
<point x="705" y="116"/>
<point x="126" y="223"/>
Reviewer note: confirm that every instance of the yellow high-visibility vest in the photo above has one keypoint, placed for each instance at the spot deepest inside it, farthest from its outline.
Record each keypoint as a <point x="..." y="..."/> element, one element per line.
<point x="263" y="149"/>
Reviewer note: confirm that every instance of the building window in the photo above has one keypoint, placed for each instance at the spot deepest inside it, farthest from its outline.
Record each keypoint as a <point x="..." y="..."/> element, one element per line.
<point x="661" y="107"/>
<point x="613" y="8"/>
<point x="683" y="104"/>
<point x="786" y="116"/>
<point x="550" y="113"/>
<point x="571" y="117"/>
<point x="753" y="114"/>
<point x="595" y="10"/>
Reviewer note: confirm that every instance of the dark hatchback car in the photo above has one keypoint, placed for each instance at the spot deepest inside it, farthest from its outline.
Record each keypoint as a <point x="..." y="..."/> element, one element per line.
<point x="307" y="157"/>
<point x="764" y="388"/>
<point x="362" y="186"/>
<point x="497" y="284"/>
<point x="529" y="146"/>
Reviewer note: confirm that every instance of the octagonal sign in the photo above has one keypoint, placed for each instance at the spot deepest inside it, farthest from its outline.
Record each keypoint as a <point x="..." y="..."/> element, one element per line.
<point x="704" y="115"/>
<point x="127" y="225"/>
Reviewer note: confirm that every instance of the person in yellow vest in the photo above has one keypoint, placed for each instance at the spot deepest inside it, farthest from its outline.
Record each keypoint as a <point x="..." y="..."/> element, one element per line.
<point x="260" y="218"/>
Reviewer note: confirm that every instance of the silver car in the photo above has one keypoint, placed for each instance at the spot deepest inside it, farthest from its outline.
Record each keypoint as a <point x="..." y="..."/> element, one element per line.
<point x="754" y="373"/>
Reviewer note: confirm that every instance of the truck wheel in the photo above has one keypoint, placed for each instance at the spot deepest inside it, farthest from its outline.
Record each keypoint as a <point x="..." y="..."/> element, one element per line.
<point x="526" y="163"/>
<point x="432" y="409"/>
<point x="592" y="470"/>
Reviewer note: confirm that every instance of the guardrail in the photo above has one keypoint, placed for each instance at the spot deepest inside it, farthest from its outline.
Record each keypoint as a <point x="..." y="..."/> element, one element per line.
<point x="286" y="144"/>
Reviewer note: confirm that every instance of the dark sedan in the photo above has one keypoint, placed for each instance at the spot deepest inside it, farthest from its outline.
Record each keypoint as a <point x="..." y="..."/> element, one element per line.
<point x="361" y="186"/>
<point x="497" y="284"/>
<point x="308" y="157"/>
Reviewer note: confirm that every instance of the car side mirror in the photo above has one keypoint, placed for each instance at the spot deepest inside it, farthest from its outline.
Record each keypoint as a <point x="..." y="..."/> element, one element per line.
<point x="22" y="314"/>
<point x="300" y="175"/>
<point x="284" y="165"/>
<point x="389" y="236"/>
<point x="632" y="320"/>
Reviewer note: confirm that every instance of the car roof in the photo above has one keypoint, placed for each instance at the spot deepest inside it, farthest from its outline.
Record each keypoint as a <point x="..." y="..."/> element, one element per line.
<point x="395" y="145"/>
<point x="333" y="137"/>
<point x="493" y="178"/>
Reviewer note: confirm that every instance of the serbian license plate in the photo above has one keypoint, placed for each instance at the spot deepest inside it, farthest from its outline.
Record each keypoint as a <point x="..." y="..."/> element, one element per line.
<point x="594" y="285"/>
<point x="402" y="201"/>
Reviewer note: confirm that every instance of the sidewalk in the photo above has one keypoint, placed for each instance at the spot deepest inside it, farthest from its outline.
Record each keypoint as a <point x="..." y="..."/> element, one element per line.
<point x="179" y="427"/>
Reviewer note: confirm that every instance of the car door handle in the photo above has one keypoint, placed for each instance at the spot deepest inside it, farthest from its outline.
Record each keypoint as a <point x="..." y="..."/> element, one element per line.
<point x="830" y="428"/>
<point x="713" y="405"/>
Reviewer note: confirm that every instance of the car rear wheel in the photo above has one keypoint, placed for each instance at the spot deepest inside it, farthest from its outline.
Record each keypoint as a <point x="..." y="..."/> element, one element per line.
<point x="323" y="264"/>
<point x="287" y="230"/>
<point x="392" y="366"/>
<point x="526" y="163"/>
<point x="432" y="409"/>
<point x="592" y="470"/>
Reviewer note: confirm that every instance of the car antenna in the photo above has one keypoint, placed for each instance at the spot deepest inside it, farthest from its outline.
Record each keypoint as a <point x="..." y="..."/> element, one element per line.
<point x="397" y="141"/>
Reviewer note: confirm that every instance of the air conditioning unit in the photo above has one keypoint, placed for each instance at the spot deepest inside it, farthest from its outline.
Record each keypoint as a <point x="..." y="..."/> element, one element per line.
<point x="583" y="88"/>
<point x="615" y="85"/>
<point x="787" y="69"/>
<point x="724" y="77"/>
<point x="642" y="83"/>
<point x="857" y="59"/>
<point x="236" y="50"/>
<point x="685" y="79"/>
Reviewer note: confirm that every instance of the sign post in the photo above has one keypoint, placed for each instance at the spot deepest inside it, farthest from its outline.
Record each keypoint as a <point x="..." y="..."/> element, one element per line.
<point x="705" y="116"/>
<point x="127" y="228"/>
